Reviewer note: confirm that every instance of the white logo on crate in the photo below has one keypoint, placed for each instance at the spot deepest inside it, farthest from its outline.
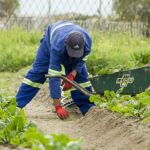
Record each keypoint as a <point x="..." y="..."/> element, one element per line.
<point x="125" y="80"/>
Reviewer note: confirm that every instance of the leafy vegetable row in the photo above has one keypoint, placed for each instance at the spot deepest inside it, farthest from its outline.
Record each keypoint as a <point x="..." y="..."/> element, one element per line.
<point x="16" y="130"/>
<point x="126" y="105"/>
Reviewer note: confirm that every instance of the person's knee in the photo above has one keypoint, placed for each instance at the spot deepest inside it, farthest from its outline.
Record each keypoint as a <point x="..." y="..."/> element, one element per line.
<point x="84" y="108"/>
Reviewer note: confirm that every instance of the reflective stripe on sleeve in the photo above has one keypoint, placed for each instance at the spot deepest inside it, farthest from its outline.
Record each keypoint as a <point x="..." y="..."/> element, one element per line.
<point x="57" y="27"/>
<point x="31" y="83"/>
<point x="85" y="58"/>
<point x="54" y="72"/>
<point x="84" y="85"/>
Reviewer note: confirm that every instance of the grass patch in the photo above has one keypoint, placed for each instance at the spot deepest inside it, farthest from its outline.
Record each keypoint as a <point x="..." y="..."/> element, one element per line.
<point x="17" y="48"/>
<point x="10" y="81"/>
<point x="113" y="52"/>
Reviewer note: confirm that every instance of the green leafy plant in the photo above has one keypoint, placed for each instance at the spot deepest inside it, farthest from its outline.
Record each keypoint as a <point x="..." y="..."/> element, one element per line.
<point x="141" y="58"/>
<point x="137" y="106"/>
<point x="16" y="130"/>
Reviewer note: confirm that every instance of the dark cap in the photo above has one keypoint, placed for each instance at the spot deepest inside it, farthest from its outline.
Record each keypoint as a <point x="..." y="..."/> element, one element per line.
<point x="75" y="44"/>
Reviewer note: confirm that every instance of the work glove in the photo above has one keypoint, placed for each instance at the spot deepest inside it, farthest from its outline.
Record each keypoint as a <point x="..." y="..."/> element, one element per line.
<point x="61" y="112"/>
<point x="65" y="84"/>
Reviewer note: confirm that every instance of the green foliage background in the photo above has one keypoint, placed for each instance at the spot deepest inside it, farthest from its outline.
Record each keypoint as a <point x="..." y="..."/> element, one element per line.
<point x="17" y="48"/>
<point x="135" y="10"/>
<point x="110" y="51"/>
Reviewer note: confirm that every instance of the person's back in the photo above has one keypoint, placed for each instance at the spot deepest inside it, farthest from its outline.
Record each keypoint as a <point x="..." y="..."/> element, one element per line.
<point x="57" y="33"/>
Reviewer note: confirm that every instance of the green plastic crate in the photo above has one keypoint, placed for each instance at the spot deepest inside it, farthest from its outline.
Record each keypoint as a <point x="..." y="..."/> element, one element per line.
<point x="134" y="81"/>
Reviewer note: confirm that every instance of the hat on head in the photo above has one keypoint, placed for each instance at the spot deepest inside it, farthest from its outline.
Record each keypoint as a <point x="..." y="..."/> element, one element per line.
<point x="75" y="44"/>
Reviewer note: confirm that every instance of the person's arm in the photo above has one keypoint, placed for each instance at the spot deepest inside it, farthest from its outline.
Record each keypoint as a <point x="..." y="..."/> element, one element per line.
<point x="57" y="102"/>
<point x="74" y="72"/>
<point x="55" y="90"/>
<point x="71" y="76"/>
<point x="78" y="67"/>
<point x="55" y="69"/>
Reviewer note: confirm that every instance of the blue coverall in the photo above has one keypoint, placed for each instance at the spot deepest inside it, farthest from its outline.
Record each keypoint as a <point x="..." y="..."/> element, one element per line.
<point x="50" y="56"/>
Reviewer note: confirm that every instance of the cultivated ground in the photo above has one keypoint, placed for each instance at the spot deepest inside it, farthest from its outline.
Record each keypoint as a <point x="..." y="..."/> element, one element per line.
<point x="99" y="129"/>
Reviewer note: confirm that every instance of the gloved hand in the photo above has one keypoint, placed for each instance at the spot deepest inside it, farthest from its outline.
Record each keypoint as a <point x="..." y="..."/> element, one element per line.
<point x="61" y="112"/>
<point x="66" y="85"/>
